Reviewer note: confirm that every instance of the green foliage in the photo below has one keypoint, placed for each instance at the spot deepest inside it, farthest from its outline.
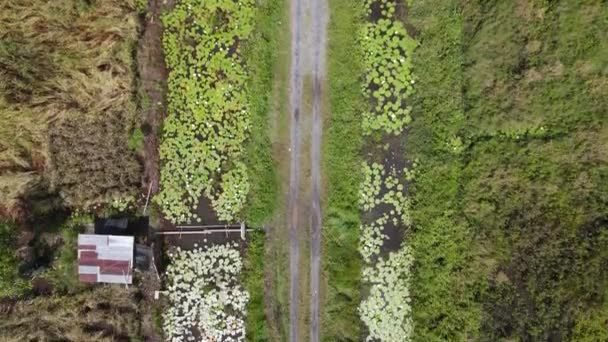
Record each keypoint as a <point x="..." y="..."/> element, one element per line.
<point x="157" y="318"/>
<point x="121" y="204"/>
<point x="136" y="140"/>
<point x="544" y="208"/>
<point x="544" y="67"/>
<point x="63" y="272"/>
<point x="141" y="5"/>
<point x="387" y="61"/>
<point x="509" y="212"/>
<point x="447" y="280"/>
<point x="590" y="325"/>
<point x="532" y="184"/>
<point x="208" y="114"/>
<point x="253" y="281"/>
<point x="341" y="262"/>
<point x="261" y="54"/>
<point x="11" y="283"/>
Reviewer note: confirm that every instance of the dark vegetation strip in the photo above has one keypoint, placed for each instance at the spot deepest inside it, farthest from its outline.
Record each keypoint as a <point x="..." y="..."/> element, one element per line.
<point x="444" y="284"/>
<point x="341" y="261"/>
<point x="534" y="182"/>
<point x="11" y="282"/>
<point x="253" y="281"/>
<point x="510" y="208"/>
<point x="261" y="55"/>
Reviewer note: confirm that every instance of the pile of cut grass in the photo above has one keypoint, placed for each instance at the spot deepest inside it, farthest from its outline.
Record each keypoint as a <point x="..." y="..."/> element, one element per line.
<point x="103" y="314"/>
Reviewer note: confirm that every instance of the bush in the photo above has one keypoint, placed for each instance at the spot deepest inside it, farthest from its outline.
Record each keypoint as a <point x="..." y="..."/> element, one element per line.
<point x="11" y="283"/>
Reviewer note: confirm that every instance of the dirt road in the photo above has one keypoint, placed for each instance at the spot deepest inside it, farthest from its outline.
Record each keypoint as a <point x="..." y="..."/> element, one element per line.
<point x="319" y="42"/>
<point x="295" y="104"/>
<point x="308" y="51"/>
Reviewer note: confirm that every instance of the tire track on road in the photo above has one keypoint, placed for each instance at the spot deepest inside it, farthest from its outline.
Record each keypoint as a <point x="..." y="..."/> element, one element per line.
<point x="308" y="51"/>
<point x="319" y="42"/>
<point x="295" y="103"/>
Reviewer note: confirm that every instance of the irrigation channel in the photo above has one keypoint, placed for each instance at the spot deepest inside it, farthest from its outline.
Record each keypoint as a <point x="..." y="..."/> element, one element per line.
<point x="308" y="53"/>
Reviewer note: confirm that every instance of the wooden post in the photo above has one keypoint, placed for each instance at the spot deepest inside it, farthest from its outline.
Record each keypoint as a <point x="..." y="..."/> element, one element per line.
<point x="148" y="198"/>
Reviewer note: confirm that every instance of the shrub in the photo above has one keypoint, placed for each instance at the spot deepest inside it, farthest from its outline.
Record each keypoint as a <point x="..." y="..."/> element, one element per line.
<point x="11" y="283"/>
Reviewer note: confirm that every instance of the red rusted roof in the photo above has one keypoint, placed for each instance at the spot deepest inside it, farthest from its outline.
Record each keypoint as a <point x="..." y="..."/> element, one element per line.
<point x="87" y="247"/>
<point x="105" y="258"/>
<point x="88" y="278"/>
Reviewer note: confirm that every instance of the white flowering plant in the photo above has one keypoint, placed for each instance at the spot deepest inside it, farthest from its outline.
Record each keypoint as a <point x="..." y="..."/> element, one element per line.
<point x="207" y="303"/>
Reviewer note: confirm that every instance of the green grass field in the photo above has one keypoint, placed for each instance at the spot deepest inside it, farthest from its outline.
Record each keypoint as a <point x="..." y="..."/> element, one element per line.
<point x="261" y="56"/>
<point x="509" y="125"/>
<point x="342" y="162"/>
<point x="509" y="131"/>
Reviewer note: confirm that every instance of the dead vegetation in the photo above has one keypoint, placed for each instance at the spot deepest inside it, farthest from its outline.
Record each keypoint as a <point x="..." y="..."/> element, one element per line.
<point x="59" y="59"/>
<point x="84" y="168"/>
<point x="107" y="313"/>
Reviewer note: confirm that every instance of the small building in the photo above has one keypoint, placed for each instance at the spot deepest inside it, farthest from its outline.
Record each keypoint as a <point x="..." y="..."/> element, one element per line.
<point x="105" y="258"/>
<point x="135" y="226"/>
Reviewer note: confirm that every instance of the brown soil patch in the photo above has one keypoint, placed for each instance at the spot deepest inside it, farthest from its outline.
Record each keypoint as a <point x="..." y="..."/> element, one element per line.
<point x="152" y="92"/>
<point x="153" y="87"/>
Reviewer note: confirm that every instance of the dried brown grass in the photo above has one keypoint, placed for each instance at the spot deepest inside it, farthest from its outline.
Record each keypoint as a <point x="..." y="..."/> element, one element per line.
<point x="106" y="313"/>
<point x="58" y="59"/>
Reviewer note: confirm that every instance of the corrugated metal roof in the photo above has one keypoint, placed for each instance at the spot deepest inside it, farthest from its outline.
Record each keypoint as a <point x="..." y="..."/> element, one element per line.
<point x="105" y="258"/>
